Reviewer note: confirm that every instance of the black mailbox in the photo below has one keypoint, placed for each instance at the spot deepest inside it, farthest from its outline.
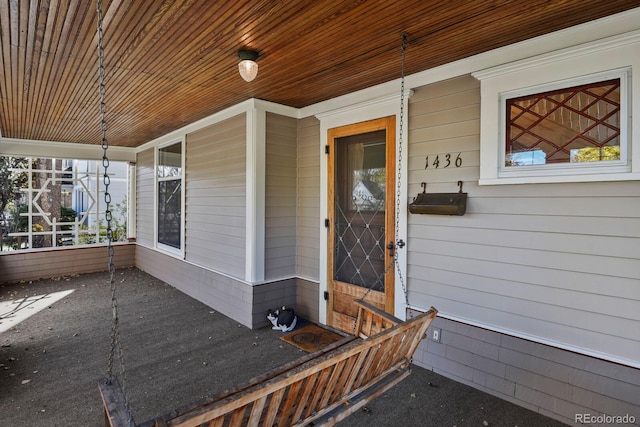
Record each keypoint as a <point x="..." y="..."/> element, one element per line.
<point x="439" y="203"/>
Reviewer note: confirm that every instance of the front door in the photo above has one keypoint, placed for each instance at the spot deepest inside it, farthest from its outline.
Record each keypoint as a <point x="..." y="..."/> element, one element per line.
<point x="361" y="190"/>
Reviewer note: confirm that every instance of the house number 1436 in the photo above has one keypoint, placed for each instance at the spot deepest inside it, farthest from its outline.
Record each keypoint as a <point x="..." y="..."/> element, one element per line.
<point x="443" y="161"/>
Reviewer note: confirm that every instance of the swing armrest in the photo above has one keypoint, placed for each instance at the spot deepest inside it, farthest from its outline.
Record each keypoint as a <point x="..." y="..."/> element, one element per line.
<point x="116" y="412"/>
<point x="372" y="320"/>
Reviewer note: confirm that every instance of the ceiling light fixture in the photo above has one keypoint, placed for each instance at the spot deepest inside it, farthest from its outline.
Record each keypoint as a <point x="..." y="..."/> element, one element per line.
<point x="248" y="66"/>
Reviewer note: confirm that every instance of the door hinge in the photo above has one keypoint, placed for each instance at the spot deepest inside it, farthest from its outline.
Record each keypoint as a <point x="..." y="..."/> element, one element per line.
<point x="326" y="295"/>
<point x="326" y="149"/>
<point x="326" y="222"/>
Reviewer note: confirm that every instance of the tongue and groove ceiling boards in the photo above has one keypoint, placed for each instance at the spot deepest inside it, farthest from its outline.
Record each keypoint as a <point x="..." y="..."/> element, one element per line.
<point x="170" y="63"/>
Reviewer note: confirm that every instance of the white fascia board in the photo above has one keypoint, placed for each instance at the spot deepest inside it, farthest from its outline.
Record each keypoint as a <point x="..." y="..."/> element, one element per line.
<point x="234" y="110"/>
<point x="218" y="117"/>
<point x="554" y="57"/>
<point x="603" y="28"/>
<point x="617" y="28"/>
<point x="354" y="98"/>
<point x="63" y="150"/>
<point x="611" y="26"/>
<point x="272" y="107"/>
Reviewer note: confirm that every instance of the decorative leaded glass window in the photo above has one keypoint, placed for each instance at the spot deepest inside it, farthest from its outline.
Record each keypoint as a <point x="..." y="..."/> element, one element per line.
<point x="563" y="116"/>
<point x="569" y="125"/>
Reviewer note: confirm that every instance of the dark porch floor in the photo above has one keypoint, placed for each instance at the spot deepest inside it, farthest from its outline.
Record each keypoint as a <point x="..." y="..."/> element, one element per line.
<point x="177" y="350"/>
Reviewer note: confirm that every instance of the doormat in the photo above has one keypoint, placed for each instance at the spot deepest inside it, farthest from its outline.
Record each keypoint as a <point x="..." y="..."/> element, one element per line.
<point x="311" y="338"/>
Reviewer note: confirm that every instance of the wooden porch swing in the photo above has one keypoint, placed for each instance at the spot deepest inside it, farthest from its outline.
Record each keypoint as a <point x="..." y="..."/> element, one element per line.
<point x="319" y="389"/>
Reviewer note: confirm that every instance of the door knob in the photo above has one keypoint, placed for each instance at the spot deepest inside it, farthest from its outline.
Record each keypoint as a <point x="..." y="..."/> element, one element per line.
<point x="391" y="246"/>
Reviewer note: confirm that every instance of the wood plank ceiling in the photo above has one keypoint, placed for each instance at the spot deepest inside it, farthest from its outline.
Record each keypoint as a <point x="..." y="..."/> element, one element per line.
<point x="169" y="63"/>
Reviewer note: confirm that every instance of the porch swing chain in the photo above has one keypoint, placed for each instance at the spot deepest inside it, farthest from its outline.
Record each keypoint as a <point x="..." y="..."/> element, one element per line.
<point x="115" y="332"/>
<point x="399" y="243"/>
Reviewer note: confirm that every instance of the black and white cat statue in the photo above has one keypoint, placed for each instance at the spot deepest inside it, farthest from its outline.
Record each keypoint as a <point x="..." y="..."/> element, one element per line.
<point x="283" y="319"/>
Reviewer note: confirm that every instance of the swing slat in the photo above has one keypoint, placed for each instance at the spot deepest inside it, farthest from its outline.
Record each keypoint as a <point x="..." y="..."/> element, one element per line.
<point x="321" y="388"/>
<point x="372" y="320"/>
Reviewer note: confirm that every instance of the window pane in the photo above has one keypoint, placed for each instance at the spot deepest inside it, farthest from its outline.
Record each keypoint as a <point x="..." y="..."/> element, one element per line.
<point x="170" y="161"/>
<point x="577" y="124"/>
<point x="362" y="159"/>
<point x="169" y="212"/>
<point x="71" y="214"/>
<point x="360" y="183"/>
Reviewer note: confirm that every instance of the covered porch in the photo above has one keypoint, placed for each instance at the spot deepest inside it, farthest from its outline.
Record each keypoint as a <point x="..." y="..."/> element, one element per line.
<point x="176" y="351"/>
<point x="233" y="184"/>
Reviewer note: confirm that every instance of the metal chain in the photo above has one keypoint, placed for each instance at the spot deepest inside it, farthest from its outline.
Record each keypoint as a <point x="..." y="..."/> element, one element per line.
<point x="115" y="330"/>
<point x="403" y="51"/>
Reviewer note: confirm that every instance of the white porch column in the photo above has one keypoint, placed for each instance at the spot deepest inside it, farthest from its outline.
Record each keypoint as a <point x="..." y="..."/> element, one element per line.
<point x="255" y="210"/>
<point x="131" y="201"/>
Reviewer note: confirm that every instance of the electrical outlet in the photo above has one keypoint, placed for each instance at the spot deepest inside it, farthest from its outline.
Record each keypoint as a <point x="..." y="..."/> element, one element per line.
<point x="435" y="334"/>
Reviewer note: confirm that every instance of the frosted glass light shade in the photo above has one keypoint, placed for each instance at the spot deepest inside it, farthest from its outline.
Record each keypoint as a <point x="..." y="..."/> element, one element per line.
<point x="248" y="69"/>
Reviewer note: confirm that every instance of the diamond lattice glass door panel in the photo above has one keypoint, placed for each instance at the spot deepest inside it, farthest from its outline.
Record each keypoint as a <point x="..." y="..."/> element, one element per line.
<point x="359" y="226"/>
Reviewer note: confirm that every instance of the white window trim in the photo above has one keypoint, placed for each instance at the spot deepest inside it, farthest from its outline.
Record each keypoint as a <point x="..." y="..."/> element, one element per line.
<point x="568" y="67"/>
<point x="170" y="250"/>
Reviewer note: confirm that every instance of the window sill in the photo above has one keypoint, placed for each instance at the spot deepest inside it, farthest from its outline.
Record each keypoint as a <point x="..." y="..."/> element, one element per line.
<point x="537" y="179"/>
<point x="169" y="250"/>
